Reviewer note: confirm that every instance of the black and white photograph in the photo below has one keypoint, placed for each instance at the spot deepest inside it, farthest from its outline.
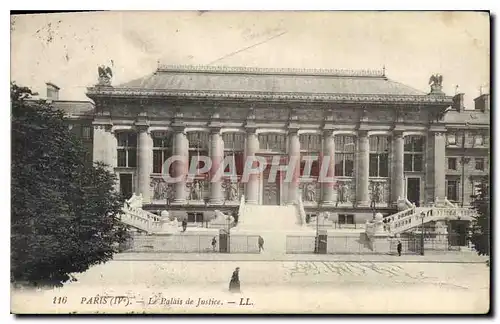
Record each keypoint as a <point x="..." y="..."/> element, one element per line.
<point x="250" y="162"/>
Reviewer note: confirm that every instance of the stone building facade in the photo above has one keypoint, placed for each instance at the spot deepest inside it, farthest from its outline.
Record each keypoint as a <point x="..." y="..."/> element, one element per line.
<point x="387" y="141"/>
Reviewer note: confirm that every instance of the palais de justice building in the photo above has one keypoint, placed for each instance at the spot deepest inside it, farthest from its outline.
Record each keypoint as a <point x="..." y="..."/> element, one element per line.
<point x="387" y="140"/>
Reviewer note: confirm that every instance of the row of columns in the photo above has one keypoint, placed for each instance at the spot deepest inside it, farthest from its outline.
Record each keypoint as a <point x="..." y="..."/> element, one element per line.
<point x="104" y="151"/>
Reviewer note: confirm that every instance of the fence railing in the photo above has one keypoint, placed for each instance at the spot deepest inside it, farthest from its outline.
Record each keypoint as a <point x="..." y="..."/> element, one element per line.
<point x="411" y="243"/>
<point x="334" y="244"/>
<point x="195" y="243"/>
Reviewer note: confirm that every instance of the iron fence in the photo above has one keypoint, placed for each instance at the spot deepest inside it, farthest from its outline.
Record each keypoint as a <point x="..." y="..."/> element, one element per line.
<point x="411" y="243"/>
<point x="243" y="243"/>
<point x="348" y="244"/>
<point x="192" y="243"/>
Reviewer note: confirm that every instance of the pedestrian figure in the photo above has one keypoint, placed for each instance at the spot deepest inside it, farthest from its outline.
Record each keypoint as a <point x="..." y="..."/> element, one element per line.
<point x="184" y="225"/>
<point x="214" y="243"/>
<point x="399" y="247"/>
<point x="234" y="284"/>
<point x="261" y="244"/>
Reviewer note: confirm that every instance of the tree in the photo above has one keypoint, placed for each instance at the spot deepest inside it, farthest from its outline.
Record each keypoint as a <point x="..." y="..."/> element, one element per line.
<point x="480" y="234"/>
<point x="65" y="212"/>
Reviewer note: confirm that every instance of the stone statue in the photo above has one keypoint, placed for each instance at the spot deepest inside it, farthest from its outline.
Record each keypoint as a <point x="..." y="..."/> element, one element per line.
<point x="233" y="191"/>
<point x="195" y="191"/>
<point x="161" y="190"/>
<point x="310" y="192"/>
<point x="436" y="82"/>
<point x="105" y="75"/>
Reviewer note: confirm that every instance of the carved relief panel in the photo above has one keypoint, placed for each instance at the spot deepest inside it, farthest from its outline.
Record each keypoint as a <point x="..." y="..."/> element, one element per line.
<point x="162" y="191"/>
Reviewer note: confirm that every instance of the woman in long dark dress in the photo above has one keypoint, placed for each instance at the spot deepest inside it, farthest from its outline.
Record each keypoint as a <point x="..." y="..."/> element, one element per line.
<point x="234" y="284"/>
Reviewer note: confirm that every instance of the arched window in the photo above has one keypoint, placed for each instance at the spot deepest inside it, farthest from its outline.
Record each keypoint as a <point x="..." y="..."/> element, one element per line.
<point x="273" y="142"/>
<point x="379" y="156"/>
<point x="414" y="153"/>
<point x="234" y="146"/>
<point x="344" y="155"/>
<point x="127" y="150"/>
<point x="198" y="146"/>
<point x="162" y="149"/>
<point x="310" y="148"/>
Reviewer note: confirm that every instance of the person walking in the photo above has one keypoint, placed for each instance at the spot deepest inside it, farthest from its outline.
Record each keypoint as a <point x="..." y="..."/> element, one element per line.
<point x="184" y="225"/>
<point x="261" y="244"/>
<point x="400" y="246"/>
<point x="214" y="243"/>
<point x="234" y="284"/>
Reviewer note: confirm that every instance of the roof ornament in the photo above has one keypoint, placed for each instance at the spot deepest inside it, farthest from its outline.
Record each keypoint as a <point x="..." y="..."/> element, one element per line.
<point x="105" y="74"/>
<point x="436" y="83"/>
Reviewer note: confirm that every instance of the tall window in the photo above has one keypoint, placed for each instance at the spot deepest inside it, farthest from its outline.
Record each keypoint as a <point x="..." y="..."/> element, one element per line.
<point x="379" y="156"/>
<point x="452" y="190"/>
<point x="452" y="163"/>
<point x="414" y="153"/>
<point x="310" y="146"/>
<point x="198" y="146"/>
<point x="162" y="150"/>
<point x="127" y="150"/>
<point x="234" y="145"/>
<point x="344" y="155"/>
<point x="479" y="164"/>
<point x="275" y="142"/>
<point x="86" y="132"/>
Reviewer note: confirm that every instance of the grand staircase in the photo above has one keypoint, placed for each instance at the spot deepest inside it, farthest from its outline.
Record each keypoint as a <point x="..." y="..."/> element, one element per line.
<point x="134" y="216"/>
<point x="414" y="217"/>
<point x="273" y="223"/>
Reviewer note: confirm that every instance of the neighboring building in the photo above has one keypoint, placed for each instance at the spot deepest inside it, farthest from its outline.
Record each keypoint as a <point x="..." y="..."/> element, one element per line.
<point x="389" y="141"/>
<point x="80" y="116"/>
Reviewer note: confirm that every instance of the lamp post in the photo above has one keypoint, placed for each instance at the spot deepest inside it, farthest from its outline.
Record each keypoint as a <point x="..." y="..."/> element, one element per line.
<point x="422" y="215"/>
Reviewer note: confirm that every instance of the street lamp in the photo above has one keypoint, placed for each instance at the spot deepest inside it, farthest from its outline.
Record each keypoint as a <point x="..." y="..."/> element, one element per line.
<point x="422" y="215"/>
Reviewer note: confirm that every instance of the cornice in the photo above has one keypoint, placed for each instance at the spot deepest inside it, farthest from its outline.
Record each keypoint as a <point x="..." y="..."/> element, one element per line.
<point x="98" y="92"/>
<point x="274" y="71"/>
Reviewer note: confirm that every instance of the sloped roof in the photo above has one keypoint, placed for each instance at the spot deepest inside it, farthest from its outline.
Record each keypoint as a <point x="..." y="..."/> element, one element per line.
<point x="75" y="108"/>
<point x="225" y="79"/>
<point x="470" y="117"/>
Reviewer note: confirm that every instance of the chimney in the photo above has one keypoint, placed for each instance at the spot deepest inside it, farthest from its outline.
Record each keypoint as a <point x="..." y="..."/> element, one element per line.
<point x="52" y="91"/>
<point x="482" y="103"/>
<point x="458" y="102"/>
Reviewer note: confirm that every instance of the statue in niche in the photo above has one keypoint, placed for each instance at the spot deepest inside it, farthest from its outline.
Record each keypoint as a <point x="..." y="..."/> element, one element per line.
<point x="343" y="192"/>
<point x="310" y="192"/>
<point x="195" y="191"/>
<point x="233" y="191"/>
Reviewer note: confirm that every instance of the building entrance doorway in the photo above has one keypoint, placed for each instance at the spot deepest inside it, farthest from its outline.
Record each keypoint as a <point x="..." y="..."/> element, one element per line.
<point x="413" y="190"/>
<point x="271" y="189"/>
<point x="126" y="185"/>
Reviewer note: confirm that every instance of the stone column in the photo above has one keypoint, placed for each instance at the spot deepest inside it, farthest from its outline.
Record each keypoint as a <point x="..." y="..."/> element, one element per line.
<point x="217" y="157"/>
<point x="439" y="166"/>
<point x="363" y="169"/>
<point x="252" y="186"/>
<point x="145" y="161"/>
<point x="100" y="148"/>
<point x="329" y="153"/>
<point x="397" y="176"/>
<point x="181" y="165"/>
<point x="293" y="161"/>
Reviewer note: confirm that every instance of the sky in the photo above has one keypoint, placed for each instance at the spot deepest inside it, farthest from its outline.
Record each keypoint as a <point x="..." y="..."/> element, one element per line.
<point x="66" y="49"/>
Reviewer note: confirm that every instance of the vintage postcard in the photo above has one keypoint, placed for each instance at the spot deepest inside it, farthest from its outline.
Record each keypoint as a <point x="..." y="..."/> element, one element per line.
<point x="250" y="162"/>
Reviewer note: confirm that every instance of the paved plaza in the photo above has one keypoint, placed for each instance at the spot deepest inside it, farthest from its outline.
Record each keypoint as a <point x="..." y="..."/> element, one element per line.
<point x="275" y="286"/>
